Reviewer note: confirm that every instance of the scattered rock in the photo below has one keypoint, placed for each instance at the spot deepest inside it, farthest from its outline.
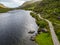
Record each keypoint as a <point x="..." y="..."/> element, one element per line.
<point x="32" y="38"/>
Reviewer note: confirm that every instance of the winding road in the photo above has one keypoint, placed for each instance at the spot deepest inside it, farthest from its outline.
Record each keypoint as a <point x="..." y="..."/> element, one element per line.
<point x="54" y="37"/>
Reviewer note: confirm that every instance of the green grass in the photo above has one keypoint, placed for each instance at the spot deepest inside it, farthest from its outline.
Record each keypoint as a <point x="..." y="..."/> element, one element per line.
<point x="2" y="10"/>
<point x="44" y="39"/>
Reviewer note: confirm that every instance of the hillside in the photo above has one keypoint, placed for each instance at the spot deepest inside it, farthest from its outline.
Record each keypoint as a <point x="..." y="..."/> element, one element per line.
<point x="4" y="8"/>
<point x="28" y="3"/>
<point x="49" y="9"/>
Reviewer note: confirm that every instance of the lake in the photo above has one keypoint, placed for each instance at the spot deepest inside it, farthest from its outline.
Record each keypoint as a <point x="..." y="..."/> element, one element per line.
<point x="14" y="28"/>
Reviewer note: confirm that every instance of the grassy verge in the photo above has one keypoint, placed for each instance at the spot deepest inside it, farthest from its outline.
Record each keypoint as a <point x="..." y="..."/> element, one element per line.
<point x="42" y="38"/>
<point x="56" y="24"/>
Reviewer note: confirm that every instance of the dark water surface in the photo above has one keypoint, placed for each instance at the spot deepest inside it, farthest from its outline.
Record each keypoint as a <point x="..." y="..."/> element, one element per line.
<point x="14" y="28"/>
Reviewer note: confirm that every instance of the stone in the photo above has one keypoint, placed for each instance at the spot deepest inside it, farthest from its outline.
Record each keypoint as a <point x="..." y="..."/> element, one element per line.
<point x="32" y="38"/>
<point x="44" y="30"/>
<point x="59" y="18"/>
<point x="31" y="32"/>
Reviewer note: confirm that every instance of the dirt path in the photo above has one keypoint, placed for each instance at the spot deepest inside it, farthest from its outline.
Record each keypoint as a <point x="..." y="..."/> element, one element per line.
<point x="54" y="37"/>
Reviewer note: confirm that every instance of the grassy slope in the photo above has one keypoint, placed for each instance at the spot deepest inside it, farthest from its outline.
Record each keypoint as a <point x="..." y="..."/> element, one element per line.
<point x="3" y="10"/>
<point x="49" y="9"/>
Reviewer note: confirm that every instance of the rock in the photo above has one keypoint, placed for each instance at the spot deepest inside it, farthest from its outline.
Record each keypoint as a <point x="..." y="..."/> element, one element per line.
<point x="59" y="18"/>
<point x="44" y="30"/>
<point x="39" y="31"/>
<point x="31" y="32"/>
<point x="32" y="38"/>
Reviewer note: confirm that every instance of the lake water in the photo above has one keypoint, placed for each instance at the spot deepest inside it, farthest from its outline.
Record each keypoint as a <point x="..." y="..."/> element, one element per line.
<point x="14" y="28"/>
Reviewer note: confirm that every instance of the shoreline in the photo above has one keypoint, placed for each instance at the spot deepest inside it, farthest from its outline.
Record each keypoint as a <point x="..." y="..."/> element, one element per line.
<point x="41" y="33"/>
